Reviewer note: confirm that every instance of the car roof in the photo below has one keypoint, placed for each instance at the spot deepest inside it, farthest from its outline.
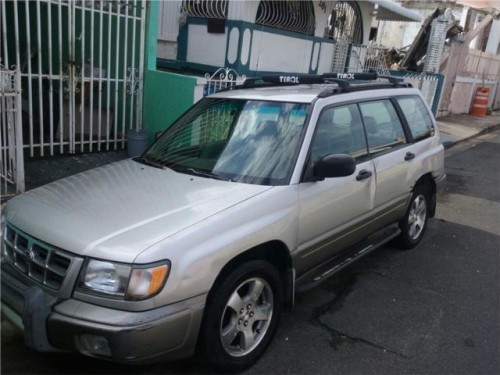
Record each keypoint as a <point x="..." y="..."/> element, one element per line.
<point x="296" y="94"/>
<point x="308" y="93"/>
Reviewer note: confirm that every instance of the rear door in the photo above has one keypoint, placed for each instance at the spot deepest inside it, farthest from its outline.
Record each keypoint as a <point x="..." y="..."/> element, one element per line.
<point x="393" y="156"/>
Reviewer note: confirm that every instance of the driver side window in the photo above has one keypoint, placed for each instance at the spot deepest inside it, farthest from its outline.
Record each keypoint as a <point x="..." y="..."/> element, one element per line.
<point x="339" y="131"/>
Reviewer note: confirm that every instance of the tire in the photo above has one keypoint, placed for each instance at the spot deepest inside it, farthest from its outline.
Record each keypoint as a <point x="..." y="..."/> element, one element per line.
<point x="414" y="224"/>
<point x="241" y="316"/>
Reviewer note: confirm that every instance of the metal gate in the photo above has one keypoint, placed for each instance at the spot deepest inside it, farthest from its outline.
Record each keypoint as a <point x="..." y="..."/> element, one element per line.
<point x="11" y="155"/>
<point x="81" y="68"/>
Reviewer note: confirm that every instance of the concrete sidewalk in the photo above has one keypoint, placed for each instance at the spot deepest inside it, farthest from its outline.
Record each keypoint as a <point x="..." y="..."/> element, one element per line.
<point x="457" y="128"/>
<point x="453" y="129"/>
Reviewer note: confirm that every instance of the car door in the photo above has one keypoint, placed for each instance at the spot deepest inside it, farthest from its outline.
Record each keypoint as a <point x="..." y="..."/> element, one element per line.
<point x="392" y="155"/>
<point x="332" y="212"/>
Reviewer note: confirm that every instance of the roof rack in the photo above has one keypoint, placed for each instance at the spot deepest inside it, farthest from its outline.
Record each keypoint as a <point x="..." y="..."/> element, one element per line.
<point x="343" y="81"/>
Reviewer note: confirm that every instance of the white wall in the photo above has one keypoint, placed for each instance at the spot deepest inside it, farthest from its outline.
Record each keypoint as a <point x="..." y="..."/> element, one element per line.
<point x="265" y="51"/>
<point x="273" y="52"/>
<point x="321" y="18"/>
<point x="205" y="48"/>
<point x="493" y="45"/>
<point x="367" y="9"/>
<point x="325" y="58"/>
<point x="168" y="28"/>
<point x="242" y="10"/>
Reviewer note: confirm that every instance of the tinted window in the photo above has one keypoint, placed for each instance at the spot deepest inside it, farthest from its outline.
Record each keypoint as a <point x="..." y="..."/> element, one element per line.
<point x="417" y="116"/>
<point x="339" y="131"/>
<point x="383" y="128"/>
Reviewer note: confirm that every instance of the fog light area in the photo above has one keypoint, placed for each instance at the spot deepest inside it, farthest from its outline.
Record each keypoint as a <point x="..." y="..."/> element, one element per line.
<point x="97" y="345"/>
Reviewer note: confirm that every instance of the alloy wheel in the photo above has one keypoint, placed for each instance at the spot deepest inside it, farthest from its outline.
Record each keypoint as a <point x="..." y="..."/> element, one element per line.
<point x="246" y="317"/>
<point x="417" y="216"/>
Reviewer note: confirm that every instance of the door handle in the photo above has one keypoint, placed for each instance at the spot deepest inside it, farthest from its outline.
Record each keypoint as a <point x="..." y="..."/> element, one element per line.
<point x="363" y="175"/>
<point x="409" y="156"/>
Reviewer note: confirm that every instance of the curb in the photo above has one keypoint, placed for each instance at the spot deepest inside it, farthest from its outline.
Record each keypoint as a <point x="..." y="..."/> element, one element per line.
<point x="488" y="129"/>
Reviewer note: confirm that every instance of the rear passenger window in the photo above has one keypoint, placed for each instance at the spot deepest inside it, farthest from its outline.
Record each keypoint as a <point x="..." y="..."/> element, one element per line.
<point x="417" y="116"/>
<point x="383" y="128"/>
<point x="339" y="131"/>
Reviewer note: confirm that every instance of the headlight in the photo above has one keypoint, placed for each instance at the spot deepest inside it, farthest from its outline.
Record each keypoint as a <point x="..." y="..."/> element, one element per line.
<point x="121" y="280"/>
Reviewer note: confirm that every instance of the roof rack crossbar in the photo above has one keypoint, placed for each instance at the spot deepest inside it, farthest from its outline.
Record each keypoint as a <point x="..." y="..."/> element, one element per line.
<point x="396" y="81"/>
<point x="343" y="84"/>
<point x="343" y="81"/>
<point x="371" y="76"/>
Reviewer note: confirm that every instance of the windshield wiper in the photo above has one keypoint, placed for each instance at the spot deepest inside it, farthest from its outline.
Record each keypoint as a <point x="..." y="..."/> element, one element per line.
<point x="144" y="160"/>
<point x="203" y="173"/>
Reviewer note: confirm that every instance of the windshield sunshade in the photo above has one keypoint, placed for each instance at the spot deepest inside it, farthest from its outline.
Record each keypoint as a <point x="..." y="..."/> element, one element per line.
<point x="238" y="140"/>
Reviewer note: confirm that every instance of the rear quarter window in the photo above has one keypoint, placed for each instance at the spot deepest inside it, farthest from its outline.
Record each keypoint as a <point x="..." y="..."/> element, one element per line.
<point x="417" y="117"/>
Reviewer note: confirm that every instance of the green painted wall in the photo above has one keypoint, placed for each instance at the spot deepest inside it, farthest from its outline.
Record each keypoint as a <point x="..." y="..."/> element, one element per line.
<point x="166" y="97"/>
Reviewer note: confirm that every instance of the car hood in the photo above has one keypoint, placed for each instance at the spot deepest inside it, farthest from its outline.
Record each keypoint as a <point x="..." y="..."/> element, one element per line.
<point x="119" y="210"/>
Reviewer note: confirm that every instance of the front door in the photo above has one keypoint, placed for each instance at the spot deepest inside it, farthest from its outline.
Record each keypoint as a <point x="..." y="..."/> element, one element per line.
<point x="332" y="212"/>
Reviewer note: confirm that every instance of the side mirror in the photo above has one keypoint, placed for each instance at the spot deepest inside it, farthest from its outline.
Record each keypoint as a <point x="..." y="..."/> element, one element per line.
<point x="334" y="166"/>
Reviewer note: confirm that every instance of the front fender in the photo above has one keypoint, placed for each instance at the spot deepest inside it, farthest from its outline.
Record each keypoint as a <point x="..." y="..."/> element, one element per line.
<point x="199" y="253"/>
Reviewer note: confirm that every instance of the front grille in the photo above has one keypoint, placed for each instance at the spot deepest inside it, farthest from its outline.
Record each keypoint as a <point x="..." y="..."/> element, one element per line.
<point x="39" y="261"/>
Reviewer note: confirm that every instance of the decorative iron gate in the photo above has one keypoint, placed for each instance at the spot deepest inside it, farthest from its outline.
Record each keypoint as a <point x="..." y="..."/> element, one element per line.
<point x="11" y="155"/>
<point x="221" y="79"/>
<point x="81" y="68"/>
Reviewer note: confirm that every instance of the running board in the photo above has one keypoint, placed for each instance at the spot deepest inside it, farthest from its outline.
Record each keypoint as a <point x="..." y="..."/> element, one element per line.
<point x="318" y="275"/>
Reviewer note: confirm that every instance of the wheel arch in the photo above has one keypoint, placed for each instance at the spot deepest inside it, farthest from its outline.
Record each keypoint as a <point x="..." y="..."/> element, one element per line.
<point x="428" y="181"/>
<point x="276" y="253"/>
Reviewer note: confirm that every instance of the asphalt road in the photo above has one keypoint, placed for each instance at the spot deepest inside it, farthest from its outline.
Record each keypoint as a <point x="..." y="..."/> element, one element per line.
<point x="431" y="310"/>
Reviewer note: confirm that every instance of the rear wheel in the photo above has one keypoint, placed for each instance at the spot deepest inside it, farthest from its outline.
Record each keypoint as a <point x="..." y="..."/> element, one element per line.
<point x="414" y="223"/>
<point x="242" y="315"/>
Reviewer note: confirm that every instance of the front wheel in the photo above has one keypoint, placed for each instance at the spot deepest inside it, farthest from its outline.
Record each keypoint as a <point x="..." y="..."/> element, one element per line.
<point x="242" y="315"/>
<point x="414" y="223"/>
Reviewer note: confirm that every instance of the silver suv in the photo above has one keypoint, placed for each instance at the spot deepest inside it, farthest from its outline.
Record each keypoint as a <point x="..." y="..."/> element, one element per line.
<point x="254" y="194"/>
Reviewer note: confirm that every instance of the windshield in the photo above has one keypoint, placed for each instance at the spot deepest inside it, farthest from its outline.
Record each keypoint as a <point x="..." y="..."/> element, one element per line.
<point x="247" y="141"/>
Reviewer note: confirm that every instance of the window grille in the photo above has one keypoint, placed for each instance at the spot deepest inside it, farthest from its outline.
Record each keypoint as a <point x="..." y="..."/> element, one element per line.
<point x="205" y="8"/>
<point x="290" y="15"/>
<point x="344" y="23"/>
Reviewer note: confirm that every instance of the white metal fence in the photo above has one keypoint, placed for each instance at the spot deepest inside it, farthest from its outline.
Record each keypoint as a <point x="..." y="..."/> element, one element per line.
<point x="222" y="78"/>
<point x="427" y="84"/>
<point x="81" y="68"/>
<point x="359" y="58"/>
<point x="367" y="58"/>
<point x="11" y="156"/>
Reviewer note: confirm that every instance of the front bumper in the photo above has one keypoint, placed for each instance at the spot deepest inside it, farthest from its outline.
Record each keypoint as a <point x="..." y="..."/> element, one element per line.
<point x="49" y="324"/>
